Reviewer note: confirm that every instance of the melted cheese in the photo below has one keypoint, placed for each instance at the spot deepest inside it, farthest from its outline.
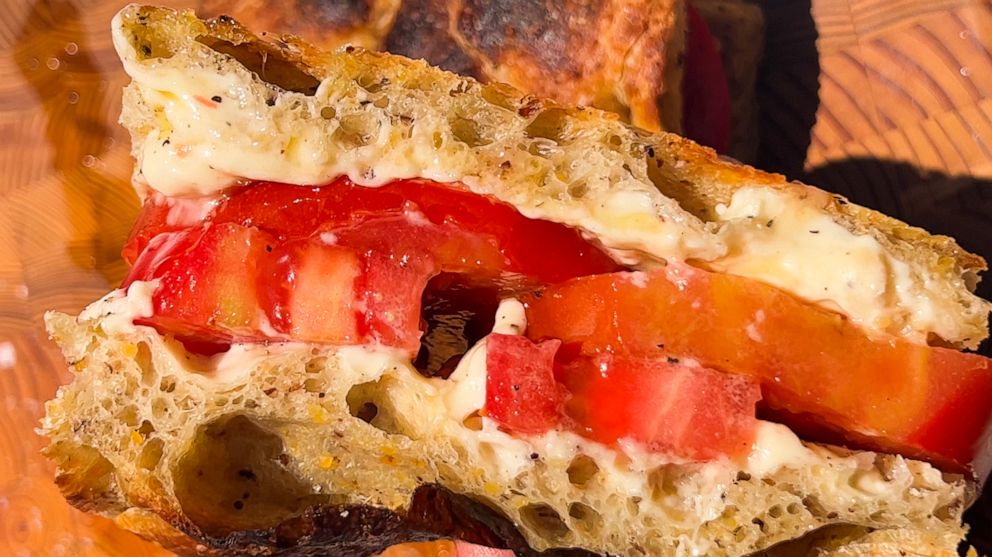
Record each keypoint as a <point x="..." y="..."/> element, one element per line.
<point x="119" y="308"/>
<point x="774" y="238"/>
<point x="465" y="389"/>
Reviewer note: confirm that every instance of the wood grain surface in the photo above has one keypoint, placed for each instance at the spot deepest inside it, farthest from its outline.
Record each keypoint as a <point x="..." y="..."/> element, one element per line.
<point x="886" y="101"/>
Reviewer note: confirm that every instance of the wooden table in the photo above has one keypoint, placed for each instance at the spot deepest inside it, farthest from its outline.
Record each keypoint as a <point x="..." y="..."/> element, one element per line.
<point x="886" y="101"/>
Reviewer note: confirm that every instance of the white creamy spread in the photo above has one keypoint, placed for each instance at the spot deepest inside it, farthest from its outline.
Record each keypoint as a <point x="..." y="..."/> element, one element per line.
<point x="465" y="389"/>
<point x="119" y="308"/>
<point x="772" y="238"/>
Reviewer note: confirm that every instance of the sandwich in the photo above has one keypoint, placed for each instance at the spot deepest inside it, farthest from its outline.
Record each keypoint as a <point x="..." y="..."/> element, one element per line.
<point x="373" y="302"/>
<point x="684" y="67"/>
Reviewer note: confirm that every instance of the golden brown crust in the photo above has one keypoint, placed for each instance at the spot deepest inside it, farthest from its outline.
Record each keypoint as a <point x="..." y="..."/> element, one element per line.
<point x="358" y="22"/>
<point x="612" y="55"/>
<point x="624" y="56"/>
<point x="423" y="29"/>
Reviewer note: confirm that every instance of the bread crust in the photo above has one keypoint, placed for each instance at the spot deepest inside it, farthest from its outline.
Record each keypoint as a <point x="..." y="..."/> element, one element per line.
<point x="276" y="461"/>
<point x="619" y="55"/>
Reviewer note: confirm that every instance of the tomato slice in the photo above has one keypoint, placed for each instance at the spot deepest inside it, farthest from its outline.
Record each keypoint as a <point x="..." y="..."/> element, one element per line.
<point x="545" y="251"/>
<point x="160" y="214"/>
<point x="666" y="406"/>
<point x="203" y="291"/>
<point x="308" y="289"/>
<point x="689" y="411"/>
<point x="521" y="393"/>
<point x="887" y="394"/>
<point x="338" y="263"/>
<point x="705" y="94"/>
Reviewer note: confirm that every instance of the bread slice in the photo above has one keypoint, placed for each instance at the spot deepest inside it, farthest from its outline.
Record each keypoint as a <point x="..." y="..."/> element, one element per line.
<point x="278" y="452"/>
<point x="292" y="113"/>
<point x="302" y="450"/>
<point x="623" y="56"/>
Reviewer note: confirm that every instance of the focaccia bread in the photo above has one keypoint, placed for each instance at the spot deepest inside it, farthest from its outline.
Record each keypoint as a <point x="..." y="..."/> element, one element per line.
<point x="624" y="56"/>
<point x="293" y="449"/>
<point x="272" y="453"/>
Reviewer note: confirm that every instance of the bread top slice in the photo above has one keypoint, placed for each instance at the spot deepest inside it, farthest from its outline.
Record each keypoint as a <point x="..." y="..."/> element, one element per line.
<point x="624" y="56"/>
<point x="211" y="105"/>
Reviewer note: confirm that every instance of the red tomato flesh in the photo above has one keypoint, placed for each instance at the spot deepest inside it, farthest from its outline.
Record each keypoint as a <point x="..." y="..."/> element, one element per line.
<point x="203" y="290"/>
<point x="521" y="393"/>
<point x="887" y="393"/>
<point x="693" y="412"/>
<point x="337" y="264"/>
<point x="309" y="291"/>
<point x="545" y="251"/>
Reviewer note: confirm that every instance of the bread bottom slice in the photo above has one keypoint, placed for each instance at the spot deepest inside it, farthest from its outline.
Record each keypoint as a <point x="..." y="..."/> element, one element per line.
<point x="297" y="450"/>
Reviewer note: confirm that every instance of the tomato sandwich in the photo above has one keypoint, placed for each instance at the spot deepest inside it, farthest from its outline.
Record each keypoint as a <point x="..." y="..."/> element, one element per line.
<point x="372" y="302"/>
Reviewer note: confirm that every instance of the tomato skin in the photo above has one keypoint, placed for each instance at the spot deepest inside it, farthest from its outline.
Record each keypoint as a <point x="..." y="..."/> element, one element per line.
<point x="887" y="394"/>
<point x="692" y="412"/>
<point x="160" y="214"/>
<point x="521" y="393"/>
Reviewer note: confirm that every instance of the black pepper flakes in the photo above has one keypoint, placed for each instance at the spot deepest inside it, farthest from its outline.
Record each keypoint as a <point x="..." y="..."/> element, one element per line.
<point x="217" y="98"/>
<point x="534" y="456"/>
<point x="146" y="50"/>
<point x="239" y="504"/>
<point x="814" y="231"/>
<point x="672" y="360"/>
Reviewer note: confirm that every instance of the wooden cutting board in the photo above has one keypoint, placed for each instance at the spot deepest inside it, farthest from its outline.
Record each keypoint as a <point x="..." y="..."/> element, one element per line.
<point x="886" y="101"/>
